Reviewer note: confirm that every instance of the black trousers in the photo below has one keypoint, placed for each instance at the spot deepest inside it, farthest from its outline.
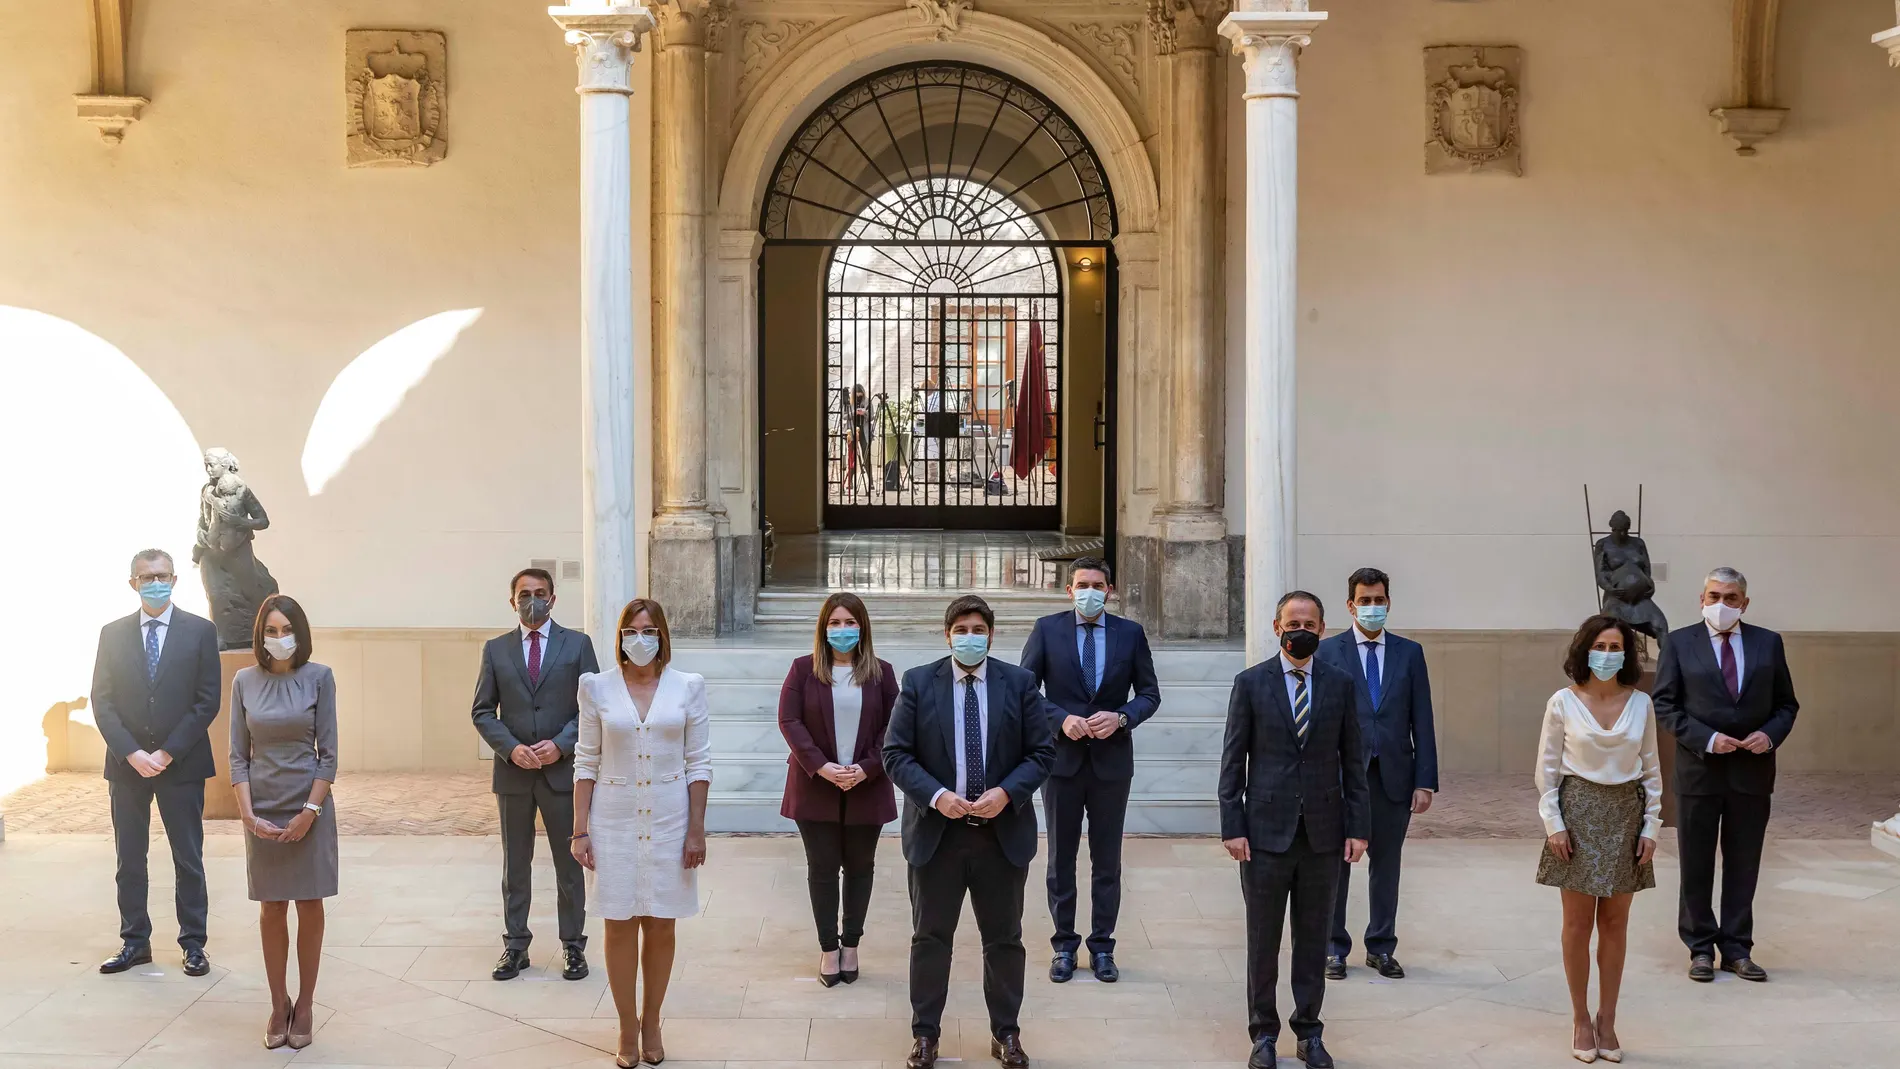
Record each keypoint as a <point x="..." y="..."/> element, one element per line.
<point x="517" y="864"/>
<point x="1308" y="878"/>
<point x="967" y="860"/>
<point x="1390" y="820"/>
<point x="831" y="845"/>
<point x="181" y="807"/>
<point x="1065" y="801"/>
<point x="1736" y="824"/>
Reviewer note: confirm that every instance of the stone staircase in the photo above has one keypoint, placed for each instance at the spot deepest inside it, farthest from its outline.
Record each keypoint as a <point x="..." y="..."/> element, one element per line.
<point x="1177" y="752"/>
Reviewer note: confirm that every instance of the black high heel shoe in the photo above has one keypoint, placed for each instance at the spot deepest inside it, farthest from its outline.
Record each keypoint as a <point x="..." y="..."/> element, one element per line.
<point x="827" y="979"/>
<point x="849" y="976"/>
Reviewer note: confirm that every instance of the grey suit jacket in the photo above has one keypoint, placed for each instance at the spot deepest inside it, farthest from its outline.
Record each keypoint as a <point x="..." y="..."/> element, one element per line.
<point x="509" y="713"/>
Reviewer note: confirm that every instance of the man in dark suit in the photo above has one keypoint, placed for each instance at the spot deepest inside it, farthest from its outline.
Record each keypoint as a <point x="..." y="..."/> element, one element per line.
<point x="155" y="691"/>
<point x="1394" y="699"/>
<point x="527" y="709"/>
<point x="1098" y="672"/>
<point x="1292" y="803"/>
<point x="968" y="744"/>
<point x="1723" y="690"/>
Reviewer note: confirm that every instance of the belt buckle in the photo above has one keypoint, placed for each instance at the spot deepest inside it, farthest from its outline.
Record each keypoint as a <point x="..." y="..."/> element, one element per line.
<point x="974" y="821"/>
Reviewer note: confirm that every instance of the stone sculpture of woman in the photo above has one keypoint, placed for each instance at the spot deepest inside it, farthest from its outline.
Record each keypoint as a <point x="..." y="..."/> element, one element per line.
<point x="236" y="582"/>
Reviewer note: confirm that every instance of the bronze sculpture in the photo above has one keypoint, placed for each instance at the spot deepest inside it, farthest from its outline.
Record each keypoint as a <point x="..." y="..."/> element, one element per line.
<point x="1623" y="575"/>
<point x="236" y="582"/>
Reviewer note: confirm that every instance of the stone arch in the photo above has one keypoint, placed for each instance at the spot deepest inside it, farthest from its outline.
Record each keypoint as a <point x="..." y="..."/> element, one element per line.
<point x="831" y="61"/>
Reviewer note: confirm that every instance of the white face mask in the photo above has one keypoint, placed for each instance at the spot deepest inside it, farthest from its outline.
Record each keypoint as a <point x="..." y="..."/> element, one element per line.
<point x="640" y="649"/>
<point x="1721" y="616"/>
<point x="282" y="647"/>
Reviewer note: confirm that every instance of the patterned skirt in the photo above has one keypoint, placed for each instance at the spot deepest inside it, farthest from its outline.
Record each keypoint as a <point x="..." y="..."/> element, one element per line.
<point x="1604" y="821"/>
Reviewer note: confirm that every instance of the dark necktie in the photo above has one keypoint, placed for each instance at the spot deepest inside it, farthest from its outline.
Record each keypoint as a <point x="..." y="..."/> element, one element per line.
<point x="151" y="650"/>
<point x="1302" y="706"/>
<point x="1729" y="675"/>
<point x="972" y="741"/>
<point x="1088" y="658"/>
<point x="1373" y="686"/>
<point x="534" y="658"/>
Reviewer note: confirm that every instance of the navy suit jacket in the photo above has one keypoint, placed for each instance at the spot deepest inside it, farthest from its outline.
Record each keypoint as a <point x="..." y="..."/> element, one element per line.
<point x="1128" y="686"/>
<point x="1692" y="703"/>
<point x="1400" y="729"/>
<point x="1270" y="783"/>
<point x="920" y="754"/>
<point x="173" y="712"/>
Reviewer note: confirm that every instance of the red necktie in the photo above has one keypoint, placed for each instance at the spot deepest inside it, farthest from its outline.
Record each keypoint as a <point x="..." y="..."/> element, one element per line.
<point x="1729" y="675"/>
<point x="534" y="659"/>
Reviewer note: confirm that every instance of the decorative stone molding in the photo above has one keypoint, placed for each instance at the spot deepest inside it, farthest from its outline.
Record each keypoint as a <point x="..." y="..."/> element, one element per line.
<point x="718" y="20"/>
<point x="1890" y="40"/>
<point x="1116" y="44"/>
<point x="1471" y="109"/>
<point x="1752" y="115"/>
<point x="686" y="22"/>
<point x="945" y="15"/>
<point x="107" y="106"/>
<point x="1161" y="26"/>
<point x="395" y="93"/>
<point x="762" y="43"/>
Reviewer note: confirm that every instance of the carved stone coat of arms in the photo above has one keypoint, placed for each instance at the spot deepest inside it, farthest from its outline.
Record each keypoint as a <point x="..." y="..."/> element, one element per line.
<point x="395" y="88"/>
<point x="1471" y="109"/>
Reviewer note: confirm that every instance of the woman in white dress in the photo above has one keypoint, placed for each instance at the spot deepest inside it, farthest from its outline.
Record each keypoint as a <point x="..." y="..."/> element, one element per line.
<point x="642" y="768"/>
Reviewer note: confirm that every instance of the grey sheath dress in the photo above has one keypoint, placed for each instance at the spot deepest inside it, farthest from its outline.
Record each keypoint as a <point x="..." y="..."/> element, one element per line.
<point x="283" y="737"/>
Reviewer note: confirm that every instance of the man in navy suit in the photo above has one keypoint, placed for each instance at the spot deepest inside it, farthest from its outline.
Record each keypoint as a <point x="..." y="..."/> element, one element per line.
<point x="968" y="744"/>
<point x="1098" y="672"/>
<point x="1394" y="700"/>
<point x="1724" y="691"/>
<point x="155" y="690"/>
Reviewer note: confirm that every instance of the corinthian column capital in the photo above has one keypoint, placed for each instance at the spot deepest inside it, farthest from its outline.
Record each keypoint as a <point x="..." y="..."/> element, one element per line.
<point x="1269" y="35"/>
<point x="604" y="36"/>
<point x="692" y="23"/>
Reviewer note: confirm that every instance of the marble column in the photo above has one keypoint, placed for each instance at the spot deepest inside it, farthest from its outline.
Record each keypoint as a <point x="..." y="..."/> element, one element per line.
<point x="604" y="38"/>
<point x="1270" y="35"/>
<point x="1192" y="525"/>
<point x="683" y="558"/>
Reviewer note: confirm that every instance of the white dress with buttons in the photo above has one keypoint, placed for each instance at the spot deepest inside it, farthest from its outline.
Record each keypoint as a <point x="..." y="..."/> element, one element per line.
<point x="640" y="770"/>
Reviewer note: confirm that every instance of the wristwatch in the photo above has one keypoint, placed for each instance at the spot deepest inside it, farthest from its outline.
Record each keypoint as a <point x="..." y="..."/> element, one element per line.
<point x="314" y="807"/>
<point x="1121" y="720"/>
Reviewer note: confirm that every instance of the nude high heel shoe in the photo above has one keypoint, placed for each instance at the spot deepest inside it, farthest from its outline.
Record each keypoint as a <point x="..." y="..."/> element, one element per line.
<point x="620" y="1060"/>
<point x="299" y="1040"/>
<point x="1586" y="1055"/>
<point x="274" y="1040"/>
<point x="1608" y="1054"/>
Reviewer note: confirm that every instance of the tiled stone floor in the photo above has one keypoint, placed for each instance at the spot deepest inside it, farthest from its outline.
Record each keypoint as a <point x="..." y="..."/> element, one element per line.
<point x="412" y="936"/>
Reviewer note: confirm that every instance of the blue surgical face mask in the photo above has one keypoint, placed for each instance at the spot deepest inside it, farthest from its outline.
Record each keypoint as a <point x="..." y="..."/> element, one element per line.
<point x="969" y="650"/>
<point x="1089" y="602"/>
<point x="842" y="639"/>
<point x="1605" y="664"/>
<point x="1371" y="617"/>
<point x="155" y="594"/>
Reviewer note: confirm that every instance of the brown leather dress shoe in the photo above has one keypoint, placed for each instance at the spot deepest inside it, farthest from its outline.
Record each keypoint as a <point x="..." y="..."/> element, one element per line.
<point x="923" y="1054"/>
<point x="1009" y="1051"/>
<point x="1702" y="968"/>
<point x="1746" y="969"/>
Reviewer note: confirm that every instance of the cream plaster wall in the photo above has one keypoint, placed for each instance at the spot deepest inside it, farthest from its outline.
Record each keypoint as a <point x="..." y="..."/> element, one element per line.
<point x="1642" y="306"/>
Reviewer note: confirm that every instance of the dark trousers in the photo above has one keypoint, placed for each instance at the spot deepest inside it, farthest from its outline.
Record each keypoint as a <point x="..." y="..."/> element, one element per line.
<point x="968" y="859"/>
<point x="517" y="864"/>
<point x="1390" y="820"/>
<point x="1308" y="878"/>
<point x="181" y="807"/>
<point x="1065" y="801"/>
<point x="1737" y="824"/>
<point x="831" y="845"/>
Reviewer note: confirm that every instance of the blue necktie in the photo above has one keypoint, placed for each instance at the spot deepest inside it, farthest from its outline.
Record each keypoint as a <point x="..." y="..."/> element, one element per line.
<point x="1372" y="687"/>
<point x="151" y="651"/>
<point x="1089" y="675"/>
<point x="972" y="741"/>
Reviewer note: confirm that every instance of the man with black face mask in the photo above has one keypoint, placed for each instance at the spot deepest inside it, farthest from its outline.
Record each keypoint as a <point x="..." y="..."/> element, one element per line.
<point x="1293" y="801"/>
<point x="527" y="709"/>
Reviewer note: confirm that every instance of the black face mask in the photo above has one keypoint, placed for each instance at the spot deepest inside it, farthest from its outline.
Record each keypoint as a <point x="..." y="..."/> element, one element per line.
<point x="534" y="611"/>
<point x="1299" y="645"/>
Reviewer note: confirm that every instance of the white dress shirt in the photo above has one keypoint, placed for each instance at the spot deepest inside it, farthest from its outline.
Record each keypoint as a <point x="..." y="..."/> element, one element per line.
<point x="847" y="710"/>
<point x="164" y="627"/>
<point x="1575" y="744"/>
<point x="958" y="674"/>
<point x="546" y="631"/>
<point x="1359" y="640"/>
<point x="1287" y="668"/>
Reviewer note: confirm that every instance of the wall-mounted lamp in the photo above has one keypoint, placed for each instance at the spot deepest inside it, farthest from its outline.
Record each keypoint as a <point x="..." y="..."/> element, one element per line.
<point x="1085" y="264"/>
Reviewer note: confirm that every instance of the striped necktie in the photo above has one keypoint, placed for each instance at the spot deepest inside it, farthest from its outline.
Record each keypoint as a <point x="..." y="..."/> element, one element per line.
<point x="1302" y="706"/>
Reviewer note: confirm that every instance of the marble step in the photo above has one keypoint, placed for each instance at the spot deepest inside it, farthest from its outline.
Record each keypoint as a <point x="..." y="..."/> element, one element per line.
<point x="1176" y="776"/>
<point x="1148" y="814"/>
<point x="1012" y="607"/>
<point x="753" y="700"/>
<point x="740" y="660"/>
<point x="1166" y="735"/>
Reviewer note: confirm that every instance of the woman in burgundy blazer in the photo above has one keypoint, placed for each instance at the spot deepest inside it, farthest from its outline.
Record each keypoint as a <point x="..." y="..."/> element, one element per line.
<point x="835" y="787"/>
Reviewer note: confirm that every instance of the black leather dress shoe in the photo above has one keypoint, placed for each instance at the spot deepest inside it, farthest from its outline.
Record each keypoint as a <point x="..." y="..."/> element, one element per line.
<point x="923" y="1054"/>
<point x="510" y="964"/>
<point x="1009" y="1051"/>
<point x="1746" y="969"/>
<point x="574" y="964"/>
<point x="1335" y="967"/>
<point x="1263" y="1056"/>
<point x="1702" y="968"/>
<point x="129" y="955"/>
<point x="1103" y="966"/>
<point x="1313" y="1053"/>
<point x="196" y="964"/>
<point x="1061" y="967"/>
<point x="1387" y="965"/>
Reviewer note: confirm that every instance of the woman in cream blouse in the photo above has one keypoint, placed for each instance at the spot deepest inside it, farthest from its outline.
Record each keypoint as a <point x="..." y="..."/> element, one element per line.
<point x="642" y="769"/>
<point x="1600" y="782"/>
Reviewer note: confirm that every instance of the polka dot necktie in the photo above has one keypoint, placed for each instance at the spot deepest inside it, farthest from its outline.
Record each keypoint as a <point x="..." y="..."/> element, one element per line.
<point x="151" y="650"/>
<point x="972" y="741"/>
<point x="1089" y="675"/>
<point x="534" y="658"/>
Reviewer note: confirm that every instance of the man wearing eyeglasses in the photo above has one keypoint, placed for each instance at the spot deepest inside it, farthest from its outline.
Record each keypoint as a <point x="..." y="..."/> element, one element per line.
<point x="527" y="708"/>
<point x="155" y="690"/>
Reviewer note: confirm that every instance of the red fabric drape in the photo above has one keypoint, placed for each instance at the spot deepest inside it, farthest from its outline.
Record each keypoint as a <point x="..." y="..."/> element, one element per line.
<point x="1032" y="409"/>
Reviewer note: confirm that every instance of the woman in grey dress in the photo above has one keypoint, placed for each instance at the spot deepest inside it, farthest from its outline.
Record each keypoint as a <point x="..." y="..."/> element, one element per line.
<point x="283" y="760"/>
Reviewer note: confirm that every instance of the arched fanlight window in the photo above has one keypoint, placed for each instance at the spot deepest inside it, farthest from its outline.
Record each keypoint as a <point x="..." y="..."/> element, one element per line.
<point x="946" y="236"/>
